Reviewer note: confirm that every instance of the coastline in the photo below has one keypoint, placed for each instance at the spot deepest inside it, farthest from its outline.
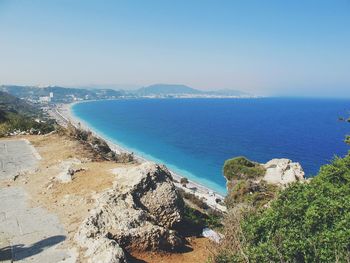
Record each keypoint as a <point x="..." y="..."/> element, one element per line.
<point x="63" y="114"/>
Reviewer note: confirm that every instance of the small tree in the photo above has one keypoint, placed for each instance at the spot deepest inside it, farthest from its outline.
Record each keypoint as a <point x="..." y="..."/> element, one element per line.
<point x="184" y="181"/>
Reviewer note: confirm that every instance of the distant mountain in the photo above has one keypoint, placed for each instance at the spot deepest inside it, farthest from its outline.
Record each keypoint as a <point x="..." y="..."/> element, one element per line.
<point x="166" y="89"/>
<point x="173" y="89"/>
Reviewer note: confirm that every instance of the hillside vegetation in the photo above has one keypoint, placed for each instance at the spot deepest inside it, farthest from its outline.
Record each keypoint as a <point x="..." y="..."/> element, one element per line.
<point x="244" y="183"/>
<point x="95" y="145"/>
<point x="10" y="103"/>
<point x="242" y="168"/>
<point x="307" y="222"/>
<point x="16" y="115"/>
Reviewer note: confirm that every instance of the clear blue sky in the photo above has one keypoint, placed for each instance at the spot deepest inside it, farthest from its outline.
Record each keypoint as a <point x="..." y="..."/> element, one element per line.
<point x="285" y="47"/>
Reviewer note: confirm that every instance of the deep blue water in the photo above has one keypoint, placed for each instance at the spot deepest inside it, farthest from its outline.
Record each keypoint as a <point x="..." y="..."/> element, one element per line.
<point x="195" y="136"/>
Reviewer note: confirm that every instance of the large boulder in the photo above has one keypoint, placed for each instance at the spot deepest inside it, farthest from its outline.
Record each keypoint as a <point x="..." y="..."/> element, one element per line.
<point x="137" y="213"/>
<point x="283" y="172"/>
<point x="152" y="187"/>
<point x="102" y="250"/>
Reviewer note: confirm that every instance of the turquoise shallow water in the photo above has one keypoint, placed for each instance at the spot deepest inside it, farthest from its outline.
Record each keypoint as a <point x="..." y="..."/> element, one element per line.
<point x="194" y="137"/>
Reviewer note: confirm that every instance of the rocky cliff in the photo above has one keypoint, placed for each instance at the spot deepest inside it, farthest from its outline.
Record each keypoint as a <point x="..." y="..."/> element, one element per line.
<point x="139" y="212"/>
<point x="283" y="172"/>
<point x="251" y="183"/>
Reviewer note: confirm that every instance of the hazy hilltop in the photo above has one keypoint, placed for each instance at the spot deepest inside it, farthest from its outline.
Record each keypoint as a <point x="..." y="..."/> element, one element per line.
<point x="163" y="89"/>
<point x="177" y="89"/>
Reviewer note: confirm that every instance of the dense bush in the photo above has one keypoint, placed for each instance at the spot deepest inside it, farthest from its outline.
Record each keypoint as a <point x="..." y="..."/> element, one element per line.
<point x="241" y="168"/>
<point x="201" y="220"/>
<point x="308" y="222"/>
<point x="96" y="145"/>
<point x="184" y="181"/>
<point x="193" y="199"/>
<point x="249" y="192"/>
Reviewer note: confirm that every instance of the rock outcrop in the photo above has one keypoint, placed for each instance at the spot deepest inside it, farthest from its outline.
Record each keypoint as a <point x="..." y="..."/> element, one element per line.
<point x="283" y="172"/>
<point x="99" y="146"/>
<point x="139" y="212"/>
<point x="253" y="184"/>
<point x="67" y="171"/>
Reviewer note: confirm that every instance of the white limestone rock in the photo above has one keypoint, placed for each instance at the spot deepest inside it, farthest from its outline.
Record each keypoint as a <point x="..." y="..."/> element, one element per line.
<point x="283" y="172"/>
<point x="137" y="213"/>
<point x="104" y="250"/>
<point x="65" y="176"/>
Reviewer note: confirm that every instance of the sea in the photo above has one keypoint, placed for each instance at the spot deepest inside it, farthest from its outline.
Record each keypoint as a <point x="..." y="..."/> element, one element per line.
<point x="194" y="137"/>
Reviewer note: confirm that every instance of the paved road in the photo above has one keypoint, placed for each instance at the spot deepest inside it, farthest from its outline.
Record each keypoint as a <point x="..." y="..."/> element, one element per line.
<point x="16" y="156"/>
<point x="27" y="234"/>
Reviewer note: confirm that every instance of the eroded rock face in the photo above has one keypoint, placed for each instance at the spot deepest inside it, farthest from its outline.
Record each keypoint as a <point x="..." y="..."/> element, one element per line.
<point x="151" y="187"/>
<point x="101" y="250"/>
<point x="283" y="172"/>
<point x="137" y="213"/>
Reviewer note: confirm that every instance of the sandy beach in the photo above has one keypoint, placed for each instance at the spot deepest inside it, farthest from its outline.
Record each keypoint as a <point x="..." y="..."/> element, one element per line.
<point x="62" y="113"/>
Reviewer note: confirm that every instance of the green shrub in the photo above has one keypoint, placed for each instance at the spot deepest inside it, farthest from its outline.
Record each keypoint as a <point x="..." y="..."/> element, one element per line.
<point x="308" y="222"/>
<point x="193" y="199"/>
<point x="15" y="121"/>
<point x="249" y="192"/>
<point x="243" y="186"/>
<point x="211" y="219"/>
<point x="184" y="181"/>
<point x="95" y="144"/>
<point x="241" y="168"/>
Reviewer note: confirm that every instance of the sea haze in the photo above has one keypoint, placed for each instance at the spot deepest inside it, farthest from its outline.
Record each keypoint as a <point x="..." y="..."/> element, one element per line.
<point x="194" y="137"/>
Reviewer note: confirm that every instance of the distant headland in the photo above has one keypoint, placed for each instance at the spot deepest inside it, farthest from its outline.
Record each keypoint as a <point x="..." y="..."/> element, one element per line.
<point x="58" y="94"/>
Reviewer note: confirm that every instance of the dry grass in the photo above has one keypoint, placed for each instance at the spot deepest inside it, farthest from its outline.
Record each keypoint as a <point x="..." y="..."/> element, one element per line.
<point x="70" y="201"/>
<point x="233" y="243"/>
